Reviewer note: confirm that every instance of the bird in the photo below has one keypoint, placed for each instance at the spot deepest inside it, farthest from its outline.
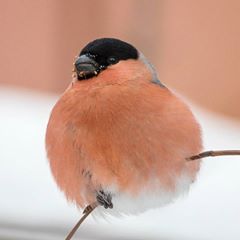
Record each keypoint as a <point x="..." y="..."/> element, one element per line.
<point x="118" y="137"/>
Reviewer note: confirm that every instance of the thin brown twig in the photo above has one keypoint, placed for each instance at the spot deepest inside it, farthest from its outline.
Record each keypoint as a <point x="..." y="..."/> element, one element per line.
<point x="86" y="212"/>
<point x="213" y="154"/>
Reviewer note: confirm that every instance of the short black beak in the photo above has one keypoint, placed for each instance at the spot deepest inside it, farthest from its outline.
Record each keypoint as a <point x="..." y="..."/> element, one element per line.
<point x="86" y="67"/>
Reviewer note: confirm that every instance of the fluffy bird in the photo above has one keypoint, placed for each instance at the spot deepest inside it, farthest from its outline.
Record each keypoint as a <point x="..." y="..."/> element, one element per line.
<point x="118" y="137"/>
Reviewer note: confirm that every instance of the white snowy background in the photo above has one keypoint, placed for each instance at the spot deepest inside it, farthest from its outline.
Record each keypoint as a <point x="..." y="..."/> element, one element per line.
<point x="32" y="207"/>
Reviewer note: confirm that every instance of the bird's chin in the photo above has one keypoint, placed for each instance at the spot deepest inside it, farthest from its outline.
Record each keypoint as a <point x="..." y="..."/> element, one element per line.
<point x="83" y="75"/>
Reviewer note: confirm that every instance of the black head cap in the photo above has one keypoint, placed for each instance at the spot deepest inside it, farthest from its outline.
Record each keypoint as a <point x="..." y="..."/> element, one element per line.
<point x="102" y="53"/>
<point x="106" y="48"/>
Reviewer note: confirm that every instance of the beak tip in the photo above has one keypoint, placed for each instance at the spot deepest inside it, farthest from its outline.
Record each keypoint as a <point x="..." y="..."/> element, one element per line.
<point x="86" y="67"/>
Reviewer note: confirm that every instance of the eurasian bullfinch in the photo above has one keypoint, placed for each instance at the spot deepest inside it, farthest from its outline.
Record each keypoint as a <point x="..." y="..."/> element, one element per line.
<point x="118" y="137"/>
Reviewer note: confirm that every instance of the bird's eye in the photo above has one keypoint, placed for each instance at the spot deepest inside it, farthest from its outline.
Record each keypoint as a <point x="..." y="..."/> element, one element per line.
<point x="112" y="60"/>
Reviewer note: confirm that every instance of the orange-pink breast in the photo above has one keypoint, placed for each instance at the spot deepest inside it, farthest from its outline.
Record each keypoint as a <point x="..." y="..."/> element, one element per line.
<point x="120" y="134"/>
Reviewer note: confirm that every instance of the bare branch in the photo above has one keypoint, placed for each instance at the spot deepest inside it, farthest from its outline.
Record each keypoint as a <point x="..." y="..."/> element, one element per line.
<point x="86" y="212"/>
<point x="213" y="154"/>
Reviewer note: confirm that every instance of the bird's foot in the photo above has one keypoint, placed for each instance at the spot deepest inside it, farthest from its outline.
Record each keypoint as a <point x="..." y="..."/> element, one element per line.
<point x="104" y="199"/>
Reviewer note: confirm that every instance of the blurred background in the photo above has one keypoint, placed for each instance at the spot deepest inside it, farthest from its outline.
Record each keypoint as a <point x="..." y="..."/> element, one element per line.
<point x="195" y="47"/>
<point x="193" y="44"/>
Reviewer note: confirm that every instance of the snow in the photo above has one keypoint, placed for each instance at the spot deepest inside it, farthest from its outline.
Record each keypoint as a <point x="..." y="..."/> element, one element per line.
<point x="32" y="207"/>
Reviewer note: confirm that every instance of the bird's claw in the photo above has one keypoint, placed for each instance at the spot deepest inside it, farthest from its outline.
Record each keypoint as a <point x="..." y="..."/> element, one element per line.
<point x="104" y="199"/>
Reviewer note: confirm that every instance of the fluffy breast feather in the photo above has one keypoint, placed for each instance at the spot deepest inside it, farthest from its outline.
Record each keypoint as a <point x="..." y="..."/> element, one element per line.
<point x="124" y="135"/>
